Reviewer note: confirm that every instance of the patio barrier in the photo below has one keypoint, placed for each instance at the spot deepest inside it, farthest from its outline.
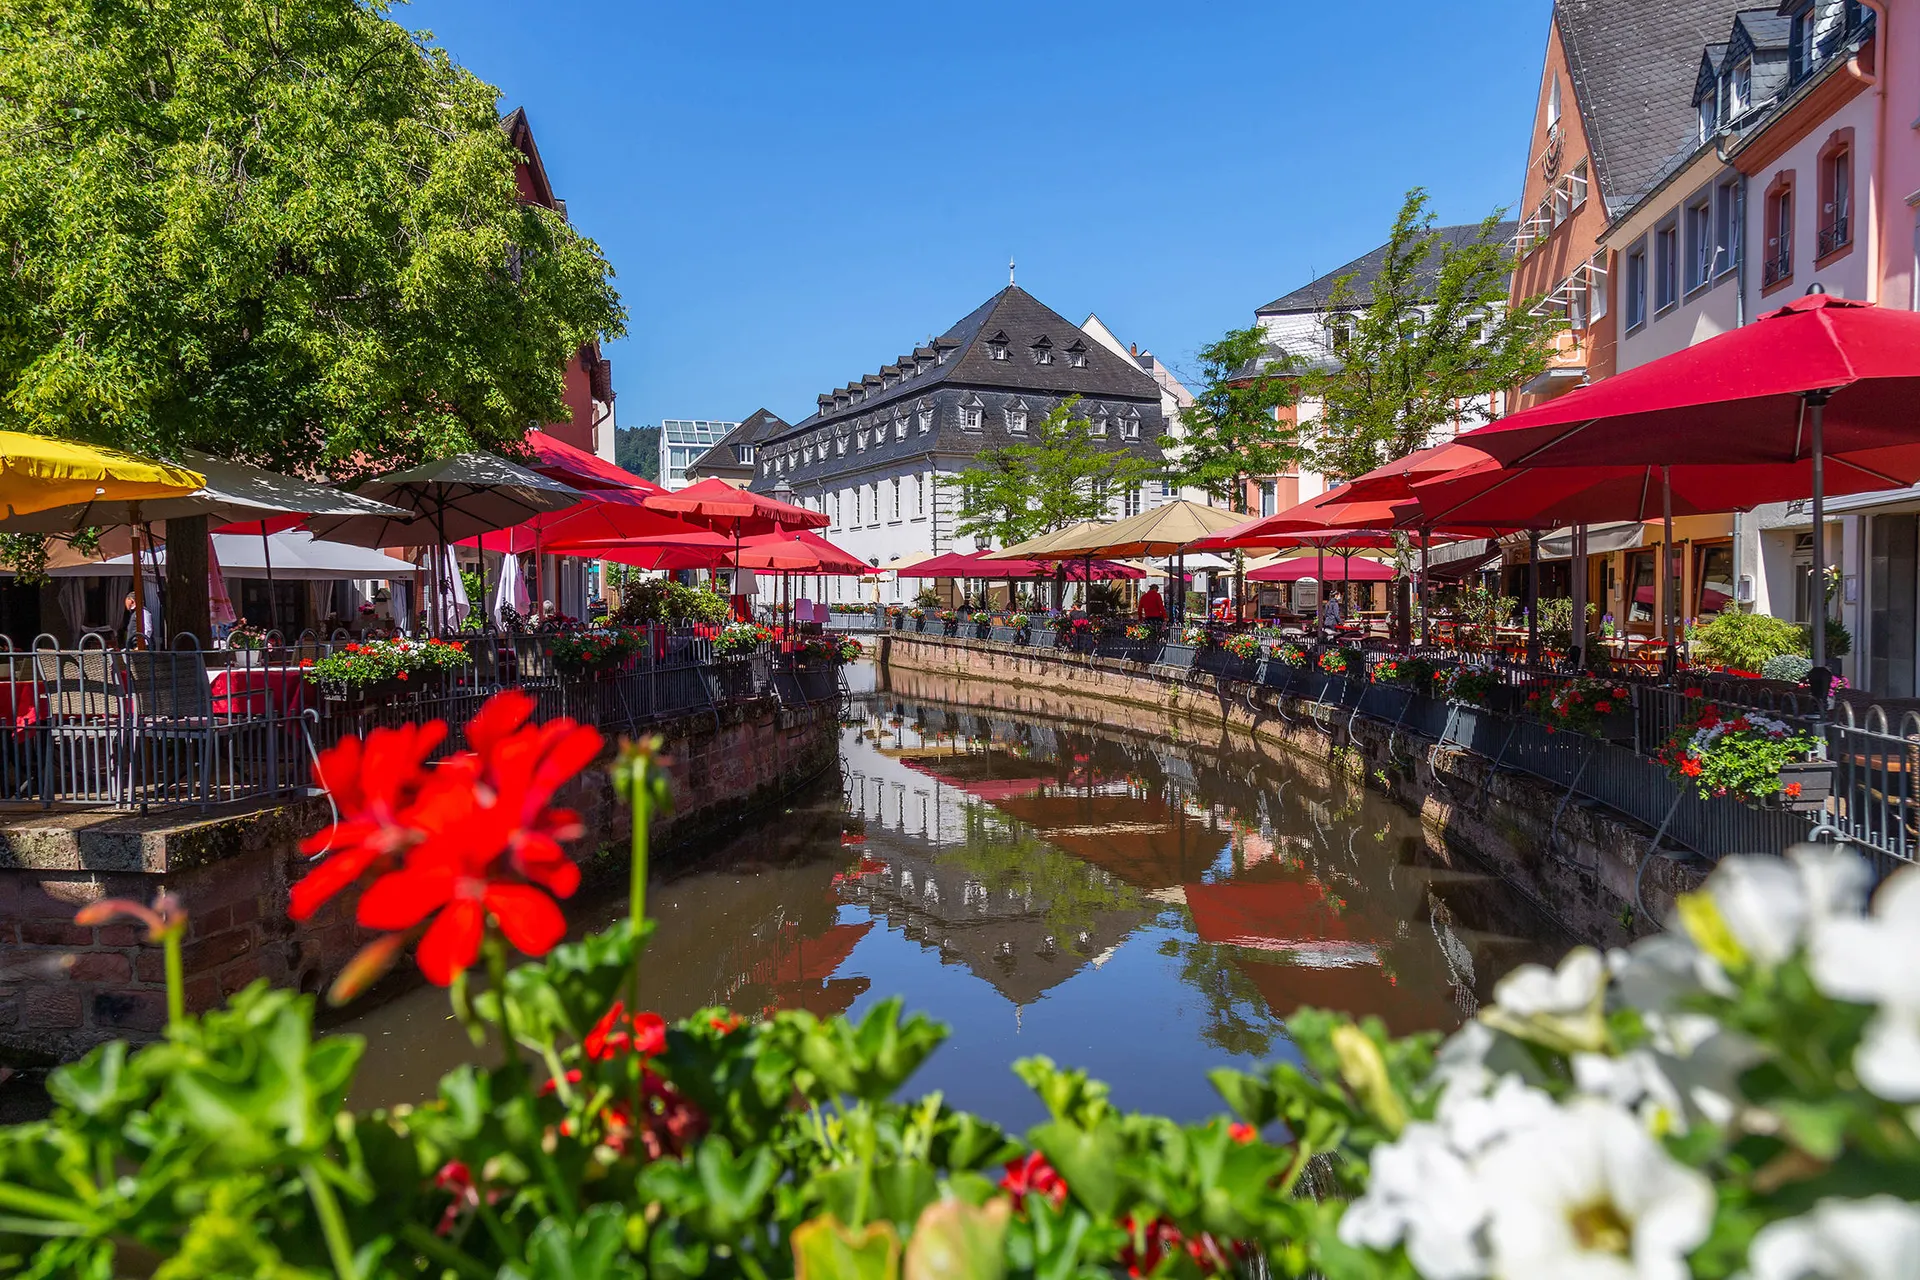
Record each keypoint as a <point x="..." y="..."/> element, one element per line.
<point x="95" y="727"/>
<point x="1874" y="763"/>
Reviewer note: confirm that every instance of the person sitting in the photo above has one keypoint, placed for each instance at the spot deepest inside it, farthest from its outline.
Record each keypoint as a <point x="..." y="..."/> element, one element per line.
<point x="1330" y="613"/>
<point x="1152" y="607"/>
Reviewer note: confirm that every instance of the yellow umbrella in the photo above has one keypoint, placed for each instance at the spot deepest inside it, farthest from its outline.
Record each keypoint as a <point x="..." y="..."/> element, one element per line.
<point x="38" y="472"/>
<point x="1032" y="547"/>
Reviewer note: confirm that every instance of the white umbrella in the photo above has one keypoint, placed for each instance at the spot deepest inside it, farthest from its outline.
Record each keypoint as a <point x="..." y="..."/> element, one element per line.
<point x="511" y="593"/>
<point x="454" y="606"/>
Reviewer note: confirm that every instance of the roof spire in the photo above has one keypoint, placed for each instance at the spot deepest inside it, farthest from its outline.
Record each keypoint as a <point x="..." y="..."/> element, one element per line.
<point x="1009" y="269"/>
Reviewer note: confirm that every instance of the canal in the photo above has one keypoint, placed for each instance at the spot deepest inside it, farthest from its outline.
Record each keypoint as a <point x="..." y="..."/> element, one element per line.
<point x="1141" y="908"/>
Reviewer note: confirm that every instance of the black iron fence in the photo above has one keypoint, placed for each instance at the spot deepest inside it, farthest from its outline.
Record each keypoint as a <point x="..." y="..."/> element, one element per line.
<point x="96" y="727"/>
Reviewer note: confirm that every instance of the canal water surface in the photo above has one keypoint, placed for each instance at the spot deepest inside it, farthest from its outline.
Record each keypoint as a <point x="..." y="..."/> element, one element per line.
<point x="1137" y="907"/>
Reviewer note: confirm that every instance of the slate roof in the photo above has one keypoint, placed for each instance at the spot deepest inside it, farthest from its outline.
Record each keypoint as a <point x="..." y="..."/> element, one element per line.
<point x="1633" y="64"/>
<point x="1024" y="319"/>
<point x="724" y="457"/>
<point x="1312" y="296"/>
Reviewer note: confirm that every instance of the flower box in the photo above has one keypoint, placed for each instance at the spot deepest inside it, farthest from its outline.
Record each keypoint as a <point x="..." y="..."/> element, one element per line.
<point x="1814" y="778"/>
<point x="1042" y="637"/>
<point x="1178" y="656"/>
<point x="1003" y="635"/>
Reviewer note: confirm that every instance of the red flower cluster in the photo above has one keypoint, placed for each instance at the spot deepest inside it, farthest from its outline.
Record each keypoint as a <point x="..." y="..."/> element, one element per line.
<point x="618" y="1032"/>
<point x="667" y="1122"/>
<point x="1147" y="1247"/>
<point x="1032" y="1175"/>
<point x="470" y="840"/>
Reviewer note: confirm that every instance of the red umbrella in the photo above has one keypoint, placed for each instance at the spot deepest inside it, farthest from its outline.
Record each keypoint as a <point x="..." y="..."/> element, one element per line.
<point x="715" y="504"/>
<point x="558" y="460"/>
<point x="1394" y="481"/>
<point x="607" y="515"/>
<point x="1819" y="379"/>
<point x="1358" y="570"/>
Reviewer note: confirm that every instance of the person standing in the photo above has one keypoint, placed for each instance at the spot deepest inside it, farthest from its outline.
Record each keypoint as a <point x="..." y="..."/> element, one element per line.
<point x="1152" y="607"/>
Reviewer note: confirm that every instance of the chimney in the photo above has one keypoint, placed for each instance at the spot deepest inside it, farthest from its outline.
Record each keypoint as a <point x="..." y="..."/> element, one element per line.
<point x="1133" y="349"/>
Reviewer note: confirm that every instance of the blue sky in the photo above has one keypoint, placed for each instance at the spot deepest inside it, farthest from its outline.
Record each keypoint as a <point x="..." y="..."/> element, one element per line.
<point x="793" y="194"/>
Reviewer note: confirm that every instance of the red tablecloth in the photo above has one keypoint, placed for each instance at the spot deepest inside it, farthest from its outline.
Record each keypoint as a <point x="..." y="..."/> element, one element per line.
<point x="242" y="691"/>
<point x="19" y="705"/>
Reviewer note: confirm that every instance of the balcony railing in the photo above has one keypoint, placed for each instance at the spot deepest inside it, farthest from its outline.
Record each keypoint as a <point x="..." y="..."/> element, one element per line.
<point x="1837" y="234"/>
<point x="1777" y="267"/>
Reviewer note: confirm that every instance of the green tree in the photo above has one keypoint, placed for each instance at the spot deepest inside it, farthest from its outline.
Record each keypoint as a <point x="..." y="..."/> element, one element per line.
<point x="1063" y="475"/>
<point x="1432" y="343"/>
<point x="638" y="450"/>
<point x="1233" y="432"/>
<point x="281" y="230"/>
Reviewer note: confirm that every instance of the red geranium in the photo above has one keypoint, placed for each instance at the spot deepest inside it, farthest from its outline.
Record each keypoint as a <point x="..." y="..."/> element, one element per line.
<point x="1032" y="1175"/>
<point x="617" y="1032"/>
<point x="375" y="786"/>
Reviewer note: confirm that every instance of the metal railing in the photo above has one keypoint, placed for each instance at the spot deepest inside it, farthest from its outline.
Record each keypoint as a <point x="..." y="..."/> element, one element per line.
<point x="1835" y="235"/>
<point x="94" y="727"/>
<point x="1777" y="266"/>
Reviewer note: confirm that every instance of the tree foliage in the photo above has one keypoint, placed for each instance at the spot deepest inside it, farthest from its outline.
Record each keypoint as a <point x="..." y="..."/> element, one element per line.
<point x="1431" y="343"/>
<point x="1063" y="476"/>
<point x="284" y="230"/>
<point x="1233" y="430"/>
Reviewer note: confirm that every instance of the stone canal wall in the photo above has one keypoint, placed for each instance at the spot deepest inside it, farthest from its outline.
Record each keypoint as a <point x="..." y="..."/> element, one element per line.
<point x="64" y="988"/>
<point x="1586" y="865"/>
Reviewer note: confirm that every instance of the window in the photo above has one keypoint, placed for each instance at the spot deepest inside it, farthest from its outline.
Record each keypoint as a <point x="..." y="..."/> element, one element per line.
<point x="1130" y="428"/>
<point x="1643" y="593"/>
<point x="1712" y="579"/>
<point x="896" y="499"/>
<point x="919" y="494"/>
<point x="1077" y="354"/>
<point x="940" y="355"/>
<point x="926" y="417"/>
<point x="1043" y="350"/>
<point x="1132" y="500"/>
<point x="1340" y="334"/>
<point x="1726" y="226"/>
<point x="746" y="453"/>
<point x="1574" y="289"/>
<point x="1017" y="417"/>
<point x="1778" y="213"/>
<point x="1553" y="103"/>
<point x="1577" y="184"/>
<point x="1709" y="115"/>
<point x="997" y="346"/>
<point x="900" y="428"/>
<point x="1635" y="286"/>
<point x="1666" y="265"/>
<point x="858" y="503"/>
<point x="1597" y="285"/>
<point x="863" y="438"/>
<point x="1836" y="195"/>
<point x="840" y="446"/>
<point x="1268" y="497"/>
<point x="1699" y="225"/>
<point x="1098" y="427"/>
<point x="1742" y="87"/>
<point x="970" y="417"/>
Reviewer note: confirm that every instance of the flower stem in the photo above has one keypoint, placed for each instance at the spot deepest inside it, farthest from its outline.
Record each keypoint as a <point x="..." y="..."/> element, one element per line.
<point x="496" y="952"/>
<point x="443" y="1253"/>
<point x="176" y="979"/>
<point x="637" y="869"/>
<point x="332" y="1225"/>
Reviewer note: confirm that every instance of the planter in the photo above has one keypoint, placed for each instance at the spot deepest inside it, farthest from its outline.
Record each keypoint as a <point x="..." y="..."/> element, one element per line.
<point x="980" y="630"/>
<point x="1231" y="668"/>
<point x="1816" y="785"/>
<point x="1178" y="656"/>
<point x="918" y="624"/>
<point x="1003" y="635"/>
<point x="244" y="658"/>
<point x="733" y="679"/>
<point x="1042" y="638"/>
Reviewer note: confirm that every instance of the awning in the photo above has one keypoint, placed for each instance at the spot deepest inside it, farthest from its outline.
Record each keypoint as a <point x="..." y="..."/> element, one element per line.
<point x="297" y="555"/>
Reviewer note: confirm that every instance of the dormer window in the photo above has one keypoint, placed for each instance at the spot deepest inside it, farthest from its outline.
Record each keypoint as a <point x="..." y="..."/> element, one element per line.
<point x="886" y="380"/>
<point x="806" y="454"/>
<point x="746" y="453"/>
<point x="1742" y="88"/>
<point x="899" y="427"/>
<point x="840" y="447"/>
<point x="997" y="346"/>
<point x="1043" y="350"/>
<point x="1709" y="115"/>
<point x="926" y="416"/>
<point x="863" y="440"/>
<point x="1077" y="355"/>
<point x="972" y="414"/>
<point x="1130" y="426"/>
<point x="766" y="466"/>
<point x="1340" y="334"/>
<point x="1098" y="427"/>
<point x="940" y="356"/>
<point x="1017" y="417"/>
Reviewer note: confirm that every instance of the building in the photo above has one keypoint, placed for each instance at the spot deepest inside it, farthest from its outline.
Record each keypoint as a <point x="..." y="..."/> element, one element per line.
<point x="1310" y="326"/>
<point x="876" y="453"/>
<point x="682" y="441"/>
<point x="732" y="459"/>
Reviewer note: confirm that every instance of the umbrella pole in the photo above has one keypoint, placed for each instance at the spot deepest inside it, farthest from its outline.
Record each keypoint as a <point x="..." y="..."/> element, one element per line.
<point x="159" y="588"/>
<point x="266" y="556"/>
<point x="1426" y="622"/>
<point x="1577" y="645"/>
<point x="1319" y="623"/>
<point x="139" y="595"/>
<point x="1533" y="597"/>
<point x="1668" y="604"/>
<point x="1817" y="591"/>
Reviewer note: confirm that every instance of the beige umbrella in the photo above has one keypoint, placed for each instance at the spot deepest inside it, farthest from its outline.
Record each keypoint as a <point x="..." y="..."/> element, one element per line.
<point x="1028" y="550"/>
<point x="1160" y="531"/>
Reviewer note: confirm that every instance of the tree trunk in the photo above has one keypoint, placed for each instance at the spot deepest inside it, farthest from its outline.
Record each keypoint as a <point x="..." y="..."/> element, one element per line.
<point x="187" y="604"/>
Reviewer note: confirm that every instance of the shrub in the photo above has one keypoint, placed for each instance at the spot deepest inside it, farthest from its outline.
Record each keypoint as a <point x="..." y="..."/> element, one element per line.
<point x="926" y="597"/>
<point x="1790" y="668"/>
<point x="661" y="600"/>
<point x="1744" y="641"/>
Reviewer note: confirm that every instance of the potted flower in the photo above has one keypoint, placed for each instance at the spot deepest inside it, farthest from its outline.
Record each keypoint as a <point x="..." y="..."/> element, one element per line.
<point x="949" y="621"/>
<point x="246" y="646"/>
<point x="918" y="617"/>
<point x="1076" y="635"/>
<point x="847" y="649"/>
<point x="1139" y="632"/>
<point x="1292" y="653"/>
<point x="1195" y="636"/>
<point x="1341" y="662"/>
<point x="1584" y="704"/>
<point x="738" y="640"/>
<point x="358" y="672"/>
<point x="1756" y="759"/>
<point x="595" y="653"/>
<point x="982" y="622"/>
<point x="1242" y="644"/>
<point x="1389" y="668"/>
<point x="1469" y="682"/>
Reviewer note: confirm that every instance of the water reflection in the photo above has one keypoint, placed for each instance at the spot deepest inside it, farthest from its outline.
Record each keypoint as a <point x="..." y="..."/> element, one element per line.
<point x="1136" y="907"/>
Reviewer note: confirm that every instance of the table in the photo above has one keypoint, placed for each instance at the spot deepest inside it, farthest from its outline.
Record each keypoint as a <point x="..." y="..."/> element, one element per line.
<point x="244" y="691"/>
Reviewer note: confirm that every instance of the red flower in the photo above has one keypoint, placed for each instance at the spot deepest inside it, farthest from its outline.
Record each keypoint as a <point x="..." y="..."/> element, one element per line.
<point x="642" y="1033"/>
<point x="1692" y="691"/>
<point x="723" y="1025"/>
<point x="306" y="662"/>
<point x="1032" y="1175"/>
<point x="375" y="786"/>
<point x="1242" y="1133"/>
<point x="1793" y="790"/>
<point x="1740" y="724"/>
<point x="1690" y="767"/>
<point x="1603" y="707"/>
<point x="1148" y="1246"/>
<point x="455" y="883"/>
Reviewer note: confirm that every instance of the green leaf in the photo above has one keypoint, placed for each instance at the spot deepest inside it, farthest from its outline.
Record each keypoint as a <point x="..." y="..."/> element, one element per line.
<point x="1088" y="1160"/>
<point x="823" y="1249"/>
<point x="590" y="1249"/>
<point x="954" y="1240"/>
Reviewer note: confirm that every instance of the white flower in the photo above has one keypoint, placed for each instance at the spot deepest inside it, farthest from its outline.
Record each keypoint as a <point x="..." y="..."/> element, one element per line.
<point x="1764" y="908"/>
<point x="1422" y="1192"/>
<point x="1877" y="961"/>
<point x="1875" y="1239"/>
<point x="1535" y="989"/>
<point x="1476" y="1119"/>
<point x="1657" y="973"/>
<point x="1589" y="1195"/>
